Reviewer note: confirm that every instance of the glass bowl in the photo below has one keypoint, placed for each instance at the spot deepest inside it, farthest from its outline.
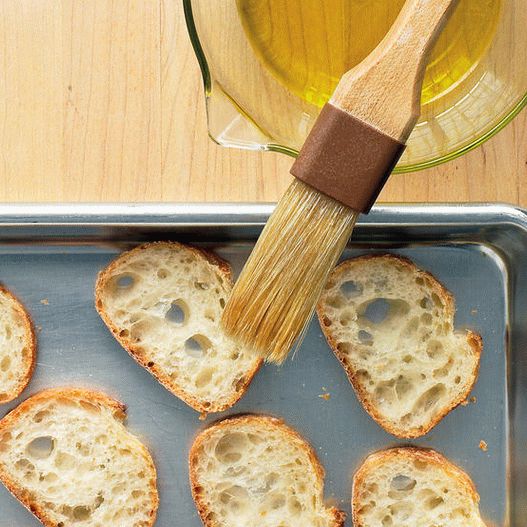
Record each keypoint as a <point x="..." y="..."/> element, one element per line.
<point x="249" y="106"/>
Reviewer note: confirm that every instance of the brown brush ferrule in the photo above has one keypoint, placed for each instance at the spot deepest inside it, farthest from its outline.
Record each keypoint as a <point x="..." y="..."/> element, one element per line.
<point x="347" y="159"/>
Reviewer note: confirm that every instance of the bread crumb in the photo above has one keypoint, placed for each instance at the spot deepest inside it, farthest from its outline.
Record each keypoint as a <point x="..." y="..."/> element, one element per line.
<point x="483" y="446"/>
<point x="203" y="416"/>
<point x="39" y="328"/>
<point x="472" y="400"/>
<point x="45" y="302"/>
<point x="474" y="312"/>
<point x="326" y="396"/>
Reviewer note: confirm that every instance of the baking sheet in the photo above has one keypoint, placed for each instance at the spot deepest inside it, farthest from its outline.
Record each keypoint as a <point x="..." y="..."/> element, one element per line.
<point x="50" y="256"/>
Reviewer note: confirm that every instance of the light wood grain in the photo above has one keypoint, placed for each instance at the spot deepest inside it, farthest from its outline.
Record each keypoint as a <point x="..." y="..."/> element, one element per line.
<point x="101" y="100"/>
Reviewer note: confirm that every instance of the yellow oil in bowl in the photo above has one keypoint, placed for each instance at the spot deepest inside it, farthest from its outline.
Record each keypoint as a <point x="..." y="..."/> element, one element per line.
<point x="309" y="44"/>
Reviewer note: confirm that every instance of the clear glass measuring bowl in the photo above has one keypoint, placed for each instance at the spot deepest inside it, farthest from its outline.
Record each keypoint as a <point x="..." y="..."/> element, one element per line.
<point x="249" y="106"/>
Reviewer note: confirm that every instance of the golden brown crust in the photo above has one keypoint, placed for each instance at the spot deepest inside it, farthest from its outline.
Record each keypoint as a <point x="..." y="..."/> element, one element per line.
<point x="251" y="419"/>
<point x="135" y="351"/>
<point x="77" y="394"/>
<point x="474" y="340"/>
<point x="428" y="456"/>
<point x="31" y="343"/>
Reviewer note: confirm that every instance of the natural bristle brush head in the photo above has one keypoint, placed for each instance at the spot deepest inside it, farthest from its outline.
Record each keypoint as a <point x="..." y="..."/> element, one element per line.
<point x="348" y="155"/>
<point x="276" y="294"/>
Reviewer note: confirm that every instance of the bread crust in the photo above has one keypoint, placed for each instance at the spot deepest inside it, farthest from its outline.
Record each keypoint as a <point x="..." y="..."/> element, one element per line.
<point x="338" y="517"/>
<point x="428" y="456"/>
<point x="134" y="350"/>
<point x="78" y="394"/>
<point x="30" y="342"/>
<point x="474" y="340"/>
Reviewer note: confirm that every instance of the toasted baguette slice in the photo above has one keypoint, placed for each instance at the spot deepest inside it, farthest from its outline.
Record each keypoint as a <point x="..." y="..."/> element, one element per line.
<point x="66" y="455"/>
<point x="17" y="347"/>
<point x="391" y="326"/>
<point x="410" y="487"/>
<point x="255" y="471"/>
<point x="163" y="303"/>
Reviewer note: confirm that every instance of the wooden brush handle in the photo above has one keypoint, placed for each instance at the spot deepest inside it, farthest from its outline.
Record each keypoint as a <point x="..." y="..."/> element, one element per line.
<point x="359" y="136"/>
<point x="384" y="90"/>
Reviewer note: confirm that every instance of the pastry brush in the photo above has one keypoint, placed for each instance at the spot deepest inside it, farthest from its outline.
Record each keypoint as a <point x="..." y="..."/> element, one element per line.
<point x="353" y="147"/>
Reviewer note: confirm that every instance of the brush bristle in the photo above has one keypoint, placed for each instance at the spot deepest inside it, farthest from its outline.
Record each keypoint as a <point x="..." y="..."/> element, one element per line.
<point x="277" y="291"/>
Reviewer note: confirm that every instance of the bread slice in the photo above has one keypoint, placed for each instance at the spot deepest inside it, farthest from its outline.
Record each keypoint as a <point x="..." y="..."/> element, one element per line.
<point x="66" y="455"/>
<point x="17" y="347"/>
<point x="253" y="470"/>
<point x="410" y="487"/>
<point x="163" y="303"/>
<point x="391" y="325"/>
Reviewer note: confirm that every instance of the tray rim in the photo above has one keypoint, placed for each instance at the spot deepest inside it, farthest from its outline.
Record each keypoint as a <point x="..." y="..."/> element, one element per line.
<point x="241" y="213"/>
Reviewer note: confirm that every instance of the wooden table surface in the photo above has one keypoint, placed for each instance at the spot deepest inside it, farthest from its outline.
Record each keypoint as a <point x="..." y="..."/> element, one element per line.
<point x="101" y="100"/>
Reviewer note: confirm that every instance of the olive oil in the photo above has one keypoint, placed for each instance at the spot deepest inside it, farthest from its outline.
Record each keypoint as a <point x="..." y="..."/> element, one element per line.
<point x="309" y="44"/>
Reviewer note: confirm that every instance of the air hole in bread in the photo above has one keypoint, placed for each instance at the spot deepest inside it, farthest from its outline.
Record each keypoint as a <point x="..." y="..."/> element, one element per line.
<point x="26" y="467"/>
<point x="387" y="521"/>
<point x="197" y="345"/>
<point x="229" y="447"/>
<point x="235" y="498"/>
<point x="437" y="300"/>
<point x="435" y="349"/>
<point x="336" y="301"/>
<point x="294" y="506"/>
<point x="384" y="391"/>
<point x="381" y="310"/>
<point x="81" y="513"/>
<point x="274" y="501"/>
<point x="222" y="302"/>
<point x="326" y="321"/>
<point x="433" y="502"/>
<point x="162" y="274"/>
<point x="178" y="312"/>
<point x="420" y="465"/>
<point x="204" y="378"/>
<point x="64" y="461"/>
<point x="201" y="285"/>
<point x="457" y="380"/>
<point x="344" y="347"/>
<point x="364" y="377"/>
<point x="365" y="337"/>
<point x="402" y="510"/>
<point x="376" y="311"/>
<point x="426" y="303"/>
<point x="351" y="289"/>
<point x="402" y="483"/>
<point x="41" y="447"/>
<point x="445" y="370"/>
<point x="411" y="328"/>
<point x="6" y="362"/>
<point x="124" y="282"/>
<point x="403" y="387"/>
<point x="7" y="332"/>
<point x="239" y="384"/>
<point x="430" y="399"/>
<point x="255" y="439"/>
<point x="426" y="318"/>
<point x="40" y="415"/>
<point x="346" y="319"/>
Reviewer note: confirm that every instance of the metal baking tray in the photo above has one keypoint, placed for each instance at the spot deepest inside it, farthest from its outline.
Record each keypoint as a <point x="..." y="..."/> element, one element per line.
<point x="50" y="255"/>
